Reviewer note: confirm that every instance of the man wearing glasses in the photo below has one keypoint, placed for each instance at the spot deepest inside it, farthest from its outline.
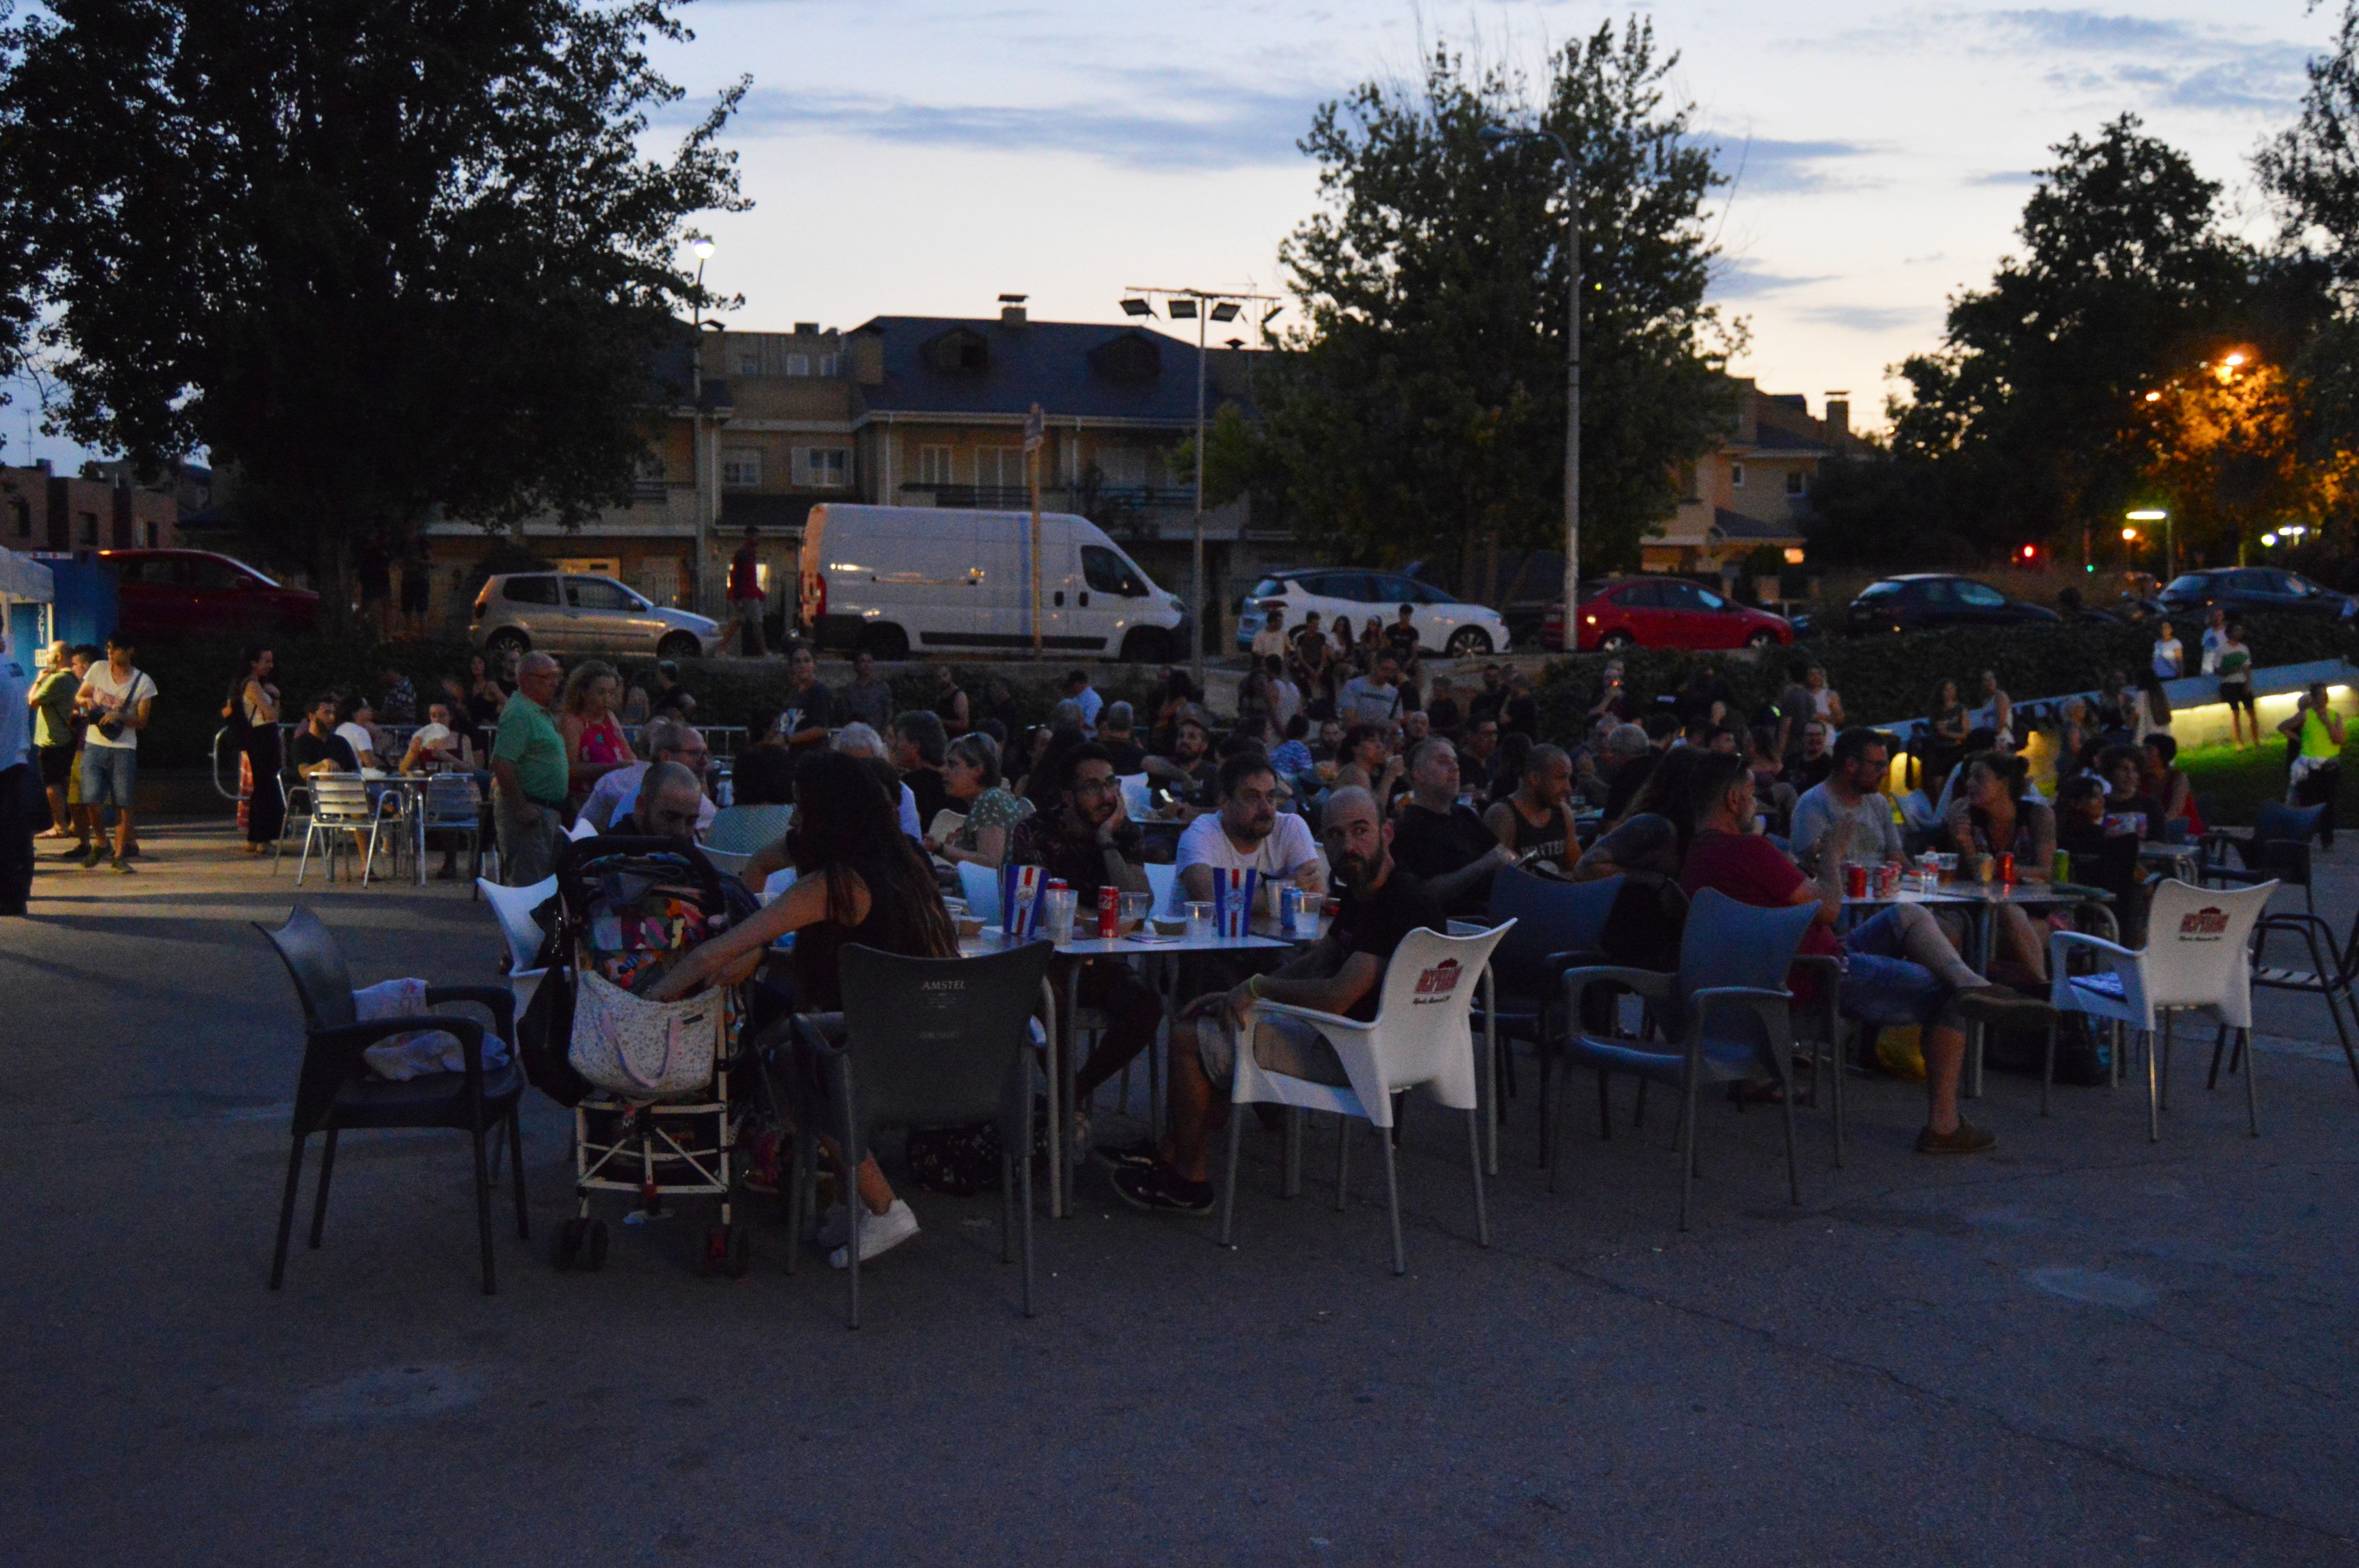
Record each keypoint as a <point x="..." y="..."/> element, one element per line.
<point x="615" y="801"/>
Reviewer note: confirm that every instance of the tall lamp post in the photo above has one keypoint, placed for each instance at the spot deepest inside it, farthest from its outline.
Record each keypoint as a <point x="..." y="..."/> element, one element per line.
<point x="702" y="249"/>
<point x="1500" y="135"/>
<point x="2169" y="535"/>
<point x="1198" y="305"/>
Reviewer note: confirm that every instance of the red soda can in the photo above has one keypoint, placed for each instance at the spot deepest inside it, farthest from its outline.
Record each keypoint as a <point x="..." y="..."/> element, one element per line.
<point x="2007" y="869"/>
<point x="1888" y="879"/>
<point x="1109" y="912"/>
<point x="1855" y="880"/>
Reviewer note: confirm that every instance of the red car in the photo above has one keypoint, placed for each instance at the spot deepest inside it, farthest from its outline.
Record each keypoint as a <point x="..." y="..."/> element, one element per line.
<point x="1664" y="612"/>
<point x="195" y="592"/>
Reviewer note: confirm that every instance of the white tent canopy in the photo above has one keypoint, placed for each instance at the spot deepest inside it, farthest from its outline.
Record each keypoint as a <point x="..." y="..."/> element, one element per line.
<point x="22" y="578"/>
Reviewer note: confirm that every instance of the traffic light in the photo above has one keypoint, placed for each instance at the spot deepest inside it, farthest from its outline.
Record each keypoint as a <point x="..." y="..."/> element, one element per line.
<point x="2027" y="558"/>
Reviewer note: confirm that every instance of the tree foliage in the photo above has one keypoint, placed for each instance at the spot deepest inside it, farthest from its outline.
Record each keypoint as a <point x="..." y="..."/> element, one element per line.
<point x="1421" y="406"/>
<point x="380" y="257"/>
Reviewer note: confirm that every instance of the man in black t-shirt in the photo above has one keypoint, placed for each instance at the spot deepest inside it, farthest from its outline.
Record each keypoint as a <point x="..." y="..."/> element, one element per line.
<point x="1443" y="843"/>
<point x="317" y="747"/>
<point x="1342" y="973"/>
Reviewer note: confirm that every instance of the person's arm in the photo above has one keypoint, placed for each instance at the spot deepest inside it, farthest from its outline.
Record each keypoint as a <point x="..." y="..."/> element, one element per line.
<point x="2333" y="724"/>
<point x="1501" y="820"/>
<point x="990" y="849"/>
<point x="409" y="757"/>
<point x="506" y="780"/>
<point x="801" y="905"/>
<point x="1196" y="882"/>
<point x="814" y="730"/>
<point x="1119" y="869"/>
<point x="1467" y="878"/>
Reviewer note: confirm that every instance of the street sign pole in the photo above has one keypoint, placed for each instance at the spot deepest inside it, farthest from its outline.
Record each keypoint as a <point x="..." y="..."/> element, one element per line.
<point x="1034" y="433"/>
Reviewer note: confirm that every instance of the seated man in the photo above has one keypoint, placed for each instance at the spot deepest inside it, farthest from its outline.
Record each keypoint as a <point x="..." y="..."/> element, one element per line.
<point x="665" y="739"/>
<point x="359" y="730"/>
<point x="1085" y="840"/>
<point x="1899" y="968"/>
<point x="1190" y="771"/>
<point x="859" y="740"/>
<point x="1341" y="973"/>
<point x="1248" y="832"/>
<point x="669" y="802"/>
<point x="1535" y="822"/>
<point x="917" y="749"/>
<point x="1118" y="733"/>
<point x="1441" y="843"/>
<point x="316" y="748"/>
<point x="1628" y="760"/>
<point x="1851" y="802"/>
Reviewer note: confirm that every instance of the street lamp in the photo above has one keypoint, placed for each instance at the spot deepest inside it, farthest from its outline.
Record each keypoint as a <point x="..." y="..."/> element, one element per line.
<point x="702" y="251"/>
<point x="1499" y="135"/>
<point x="1196" y="305"/>
<point x="2169" y="534"/>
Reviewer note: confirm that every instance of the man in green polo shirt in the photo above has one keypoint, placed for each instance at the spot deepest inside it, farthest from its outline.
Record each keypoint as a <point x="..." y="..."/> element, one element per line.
<point x="529" y="775"/>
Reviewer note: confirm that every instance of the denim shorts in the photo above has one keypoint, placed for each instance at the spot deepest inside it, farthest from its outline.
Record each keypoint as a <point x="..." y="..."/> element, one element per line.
<point x="1282" y="1045"/>
<point x="109" y="772"/>
<point x="1879" y="986"/>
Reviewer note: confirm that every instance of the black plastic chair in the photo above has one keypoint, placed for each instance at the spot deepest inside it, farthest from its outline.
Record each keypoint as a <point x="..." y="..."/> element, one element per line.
<point x="927" y="1042"/>
<point x="2331" y="972"/>
<point x="335" y="1091"/>
<point x="2276" y="850"/>
<point x="1559" y="926"/>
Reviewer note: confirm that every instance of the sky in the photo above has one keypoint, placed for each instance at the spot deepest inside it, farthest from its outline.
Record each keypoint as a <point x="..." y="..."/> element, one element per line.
<point x="922" y="158"/>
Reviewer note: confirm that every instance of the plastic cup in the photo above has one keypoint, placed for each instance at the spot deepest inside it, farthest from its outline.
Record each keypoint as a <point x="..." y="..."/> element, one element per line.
<point x="1057" y="914"/>
<point x="1135" y="907"/>
<point x="1200" y="921"/>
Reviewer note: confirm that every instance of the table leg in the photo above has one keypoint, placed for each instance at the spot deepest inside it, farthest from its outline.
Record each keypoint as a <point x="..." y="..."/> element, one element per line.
<point x="1053" y="1070"/>
<point x="1985" y="928"/>
<point x="1069" y="1073"/>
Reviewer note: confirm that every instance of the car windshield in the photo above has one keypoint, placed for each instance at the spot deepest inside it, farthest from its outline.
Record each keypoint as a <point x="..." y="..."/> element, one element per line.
<point x="2187" y="586"/>
<point x="1711" y="601"/>
<point x="1268" y="588"/>
<point x="1880" y="591"/>
<point x="1976" y="594"/>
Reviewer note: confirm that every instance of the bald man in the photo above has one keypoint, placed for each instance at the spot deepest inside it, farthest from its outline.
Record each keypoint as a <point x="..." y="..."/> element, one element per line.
<point x="670" y="798"/>
<point x="1342" y="972"/>
<point x="529" y="775"/>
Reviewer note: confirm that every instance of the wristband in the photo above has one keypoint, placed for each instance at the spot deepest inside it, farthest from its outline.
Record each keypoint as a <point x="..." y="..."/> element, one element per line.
<point x="1253" y="986"/>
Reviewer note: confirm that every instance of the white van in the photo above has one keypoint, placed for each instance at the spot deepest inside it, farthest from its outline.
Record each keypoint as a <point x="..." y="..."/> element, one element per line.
<point x="938" y="579"/>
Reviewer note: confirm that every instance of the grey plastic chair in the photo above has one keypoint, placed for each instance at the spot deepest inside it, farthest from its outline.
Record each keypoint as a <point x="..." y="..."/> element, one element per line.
<point x="1725" y="1014"/>
<point x="2276" y="850"/>
<point x="335" y="1091"/>
<point x="927" y="1042"/>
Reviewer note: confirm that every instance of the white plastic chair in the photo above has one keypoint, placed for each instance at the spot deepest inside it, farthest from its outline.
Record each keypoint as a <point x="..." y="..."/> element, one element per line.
<point x="513" y="907"/>
<point x="1420" y="1035"/>
<point x="582" y="828"/>
<point x="2195" y="960"/>
<point x="730" y="865"/>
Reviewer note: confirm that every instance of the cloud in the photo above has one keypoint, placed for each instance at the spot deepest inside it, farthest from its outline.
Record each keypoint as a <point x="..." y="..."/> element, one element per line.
<point x="1191" y="121"/>
<point x="1869" y="318"/>
<point x="1743" y="280"/>
<point x="2155" y="63"/>
<point x="2007" y="177"/>
<point x="1763" y="166"/>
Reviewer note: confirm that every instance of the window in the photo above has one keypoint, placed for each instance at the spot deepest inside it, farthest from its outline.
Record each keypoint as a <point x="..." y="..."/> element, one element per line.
<point x="1737" y="477"/>
<point x="1794" y="482"/>
<point x="1125" y="467"/>
<point x="1981" y="597"/>
<point x="1001" y="466"/>
<point x="215" y="575"/>
<point x="1881" y="590"/>
<point x="1642" y="596"/>
<point x="1107" y="571"/>
<point x="152" y="535"/>
<point x="749" y="365"/>
<point x="1705" y="599"/>
<point x="741" y="467"/>
<point x="798" y="364"/>
<point x="24" y="514"/>
<point x="823" y="468"/>
<point x="598" y="594"/>
<point x="1681" y="597"/>
<point x="535" y="590"/>
<point x="829" y="362"/>
<point x="87" y="527"/>
<point x="934" y="465"/>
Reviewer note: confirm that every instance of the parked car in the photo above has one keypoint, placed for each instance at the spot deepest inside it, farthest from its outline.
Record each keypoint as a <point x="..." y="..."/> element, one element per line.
<point x="564" y="612"/>
<point x="185" y="593"/>
<point x="1664" y="612"/>
<point x="889" y="579"/>
<point x="1445" y="624"/>
<point x="2242" y="590"/>
<point x="1921" y="600"/>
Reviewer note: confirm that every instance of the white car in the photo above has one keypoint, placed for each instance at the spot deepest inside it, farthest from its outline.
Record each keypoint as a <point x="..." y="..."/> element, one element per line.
<point x="1444" y="625"/>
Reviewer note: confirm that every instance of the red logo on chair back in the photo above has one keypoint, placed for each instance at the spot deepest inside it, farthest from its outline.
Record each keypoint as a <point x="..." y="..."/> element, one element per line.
<point x="1436" y="984"/>
<point x="2203" y="925"/>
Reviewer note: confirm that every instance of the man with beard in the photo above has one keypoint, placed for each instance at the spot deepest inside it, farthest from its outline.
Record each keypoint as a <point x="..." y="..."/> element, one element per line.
<point x="1341" y="973"/>
<point x="1535" y="821"/>
<point x="1248" y="832"/>
<point x="1441" y="843"/>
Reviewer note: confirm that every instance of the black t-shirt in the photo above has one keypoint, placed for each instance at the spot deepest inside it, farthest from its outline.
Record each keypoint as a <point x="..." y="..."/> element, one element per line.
<point x="1627" y="779"/>
<point x="1402" y="641"/>
<point x="1435" y="843"/>
<point x="926" y="789"/>
<point x="1520" y="715"/>
<point x="670" y="699"/>
<point x="806" y="710"/>
<point x="1129" y="756"/>
<point x="309" y="750"/>
<point x="1375" y="924"/>
<point x="1442" y="717"/>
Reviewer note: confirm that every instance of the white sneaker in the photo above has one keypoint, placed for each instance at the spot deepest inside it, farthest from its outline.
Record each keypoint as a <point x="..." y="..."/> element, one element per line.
<point x="878" y="1234"/>
<point x="835" y="1227"/>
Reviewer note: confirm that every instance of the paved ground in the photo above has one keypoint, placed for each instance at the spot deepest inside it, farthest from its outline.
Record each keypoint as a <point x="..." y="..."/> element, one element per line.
<point x="2084" y="1348"/>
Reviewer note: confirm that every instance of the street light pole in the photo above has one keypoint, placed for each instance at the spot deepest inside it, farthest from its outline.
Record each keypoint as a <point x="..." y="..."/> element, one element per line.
<point x="1496" y="135"/>
<point x="703" y="249"/>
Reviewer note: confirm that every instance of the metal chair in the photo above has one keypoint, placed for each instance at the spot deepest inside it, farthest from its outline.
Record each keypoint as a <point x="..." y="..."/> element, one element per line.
<point x="1726" y="1012"/>
<point x="335" y="1091"/>
<point x="1421" y="1035"/>
<point x="2276" y="850"/>
<point x="2329" y="978"/>
<point x="298" y="806"/>
<point x="927" y="1042"/>
<point x="453" y="805"/>
<point x="2195" y="960"/>
<point x="341" y="807"/>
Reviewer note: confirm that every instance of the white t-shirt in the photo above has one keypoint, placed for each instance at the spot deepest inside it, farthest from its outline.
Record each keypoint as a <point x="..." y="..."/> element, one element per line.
<point x="358" y="738"/>
<point x="1090" y="700"/>
<point x="2167" y="656"/>
<point x="126" y="695"/>
<point x="1285" y="702"/>
<point x="1289" y="845"/>
<point x="1366" y="700"/>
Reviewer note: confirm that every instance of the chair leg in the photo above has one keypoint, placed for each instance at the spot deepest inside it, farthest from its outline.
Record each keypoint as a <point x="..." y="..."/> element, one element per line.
<point x="1474" y="1153"/>
<point x="2219" y="1054"/>
<point x="1024" y="1220"/>
<point x="1229" y="1187"/>
<point x="286" y="1213"/>
<point x="320" y="1203"/>
<point x="2153" y="1093"/>
<point x="2047" y="1063"/>
<point x="2170" y="1022"/>
<point x="515" y="1171"/>
<point x="484" y="1210"/>
<point x="2252" y="1084"/>
<point x="1687" y="1148"/>
<point x="1793" y="1160"/>
<point x="1342" y="1161"/>
<point x="1392" y="1197"/>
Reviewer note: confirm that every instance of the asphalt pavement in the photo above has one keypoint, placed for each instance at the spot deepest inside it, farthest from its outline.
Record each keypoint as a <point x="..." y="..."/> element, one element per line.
<point x="2081" y="1348"/>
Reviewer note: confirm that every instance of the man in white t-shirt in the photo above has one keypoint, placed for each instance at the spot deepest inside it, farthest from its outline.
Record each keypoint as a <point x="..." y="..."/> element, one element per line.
<point x="1248" y="832"/>
<point x="117" y="696"/>
<point x="1373" y="699"/>
<point x="359" y="731"/>
<point x="1088" y="698"/>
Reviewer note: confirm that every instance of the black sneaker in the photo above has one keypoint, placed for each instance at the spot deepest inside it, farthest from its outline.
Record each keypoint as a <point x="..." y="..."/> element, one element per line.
<point x="1139" y="1155"/>
<point x="1160" y="1190"/>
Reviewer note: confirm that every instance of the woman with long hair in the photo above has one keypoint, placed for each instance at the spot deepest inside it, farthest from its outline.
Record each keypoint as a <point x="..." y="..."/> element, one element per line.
<point x="857" y="879"/>
<point x="594" y="744"/>
<point x="485" y="695"/>
<point x="253" y="714"/>
<point x="1995" y="812"/>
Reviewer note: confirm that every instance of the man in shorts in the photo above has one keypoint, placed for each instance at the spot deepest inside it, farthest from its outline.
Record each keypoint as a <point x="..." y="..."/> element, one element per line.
<point x="116" y="696"/>
<point x="52" y="700"/>
<point x="1343" y="973"/>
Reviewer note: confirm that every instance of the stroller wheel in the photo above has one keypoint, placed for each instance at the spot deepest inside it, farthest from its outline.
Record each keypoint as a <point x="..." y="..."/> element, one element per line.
<point x="569" y="1243"/>
<point x="596" y="1250"/>
<point x="739" y="1261"/>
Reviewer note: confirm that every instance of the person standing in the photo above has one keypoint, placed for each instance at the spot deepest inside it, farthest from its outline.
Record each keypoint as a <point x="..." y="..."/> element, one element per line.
<point x="808" y="704"/>
<point x="1079" y="691"/>
<point x="116" y="697"/>
<point x="1997" y="711"/>
<point x="746" y="600"/>
<point x="2215" y="632"/>
<point x="2316" y="730"/>
<point x="21" y="787"/>
<point x="951" y="706"/>
<point x="52" y="700"/>
<point x="2168" y="657"/>
<point x="865" y="699"/>
<point x="255" y="713"/>
<point x="529" y="775"/>
<point x="2235" y="664"/>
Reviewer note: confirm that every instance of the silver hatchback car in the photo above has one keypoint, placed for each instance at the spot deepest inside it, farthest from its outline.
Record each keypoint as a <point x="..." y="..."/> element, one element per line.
<point x="562" y="612"/>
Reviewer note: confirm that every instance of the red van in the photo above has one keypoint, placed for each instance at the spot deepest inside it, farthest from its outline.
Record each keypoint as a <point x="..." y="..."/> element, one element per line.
<point x="194" y="593"/>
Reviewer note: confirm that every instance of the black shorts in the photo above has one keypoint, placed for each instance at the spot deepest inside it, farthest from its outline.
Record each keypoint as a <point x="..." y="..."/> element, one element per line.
<point x="2238" y="694"/>
<point x="57" y="765"/>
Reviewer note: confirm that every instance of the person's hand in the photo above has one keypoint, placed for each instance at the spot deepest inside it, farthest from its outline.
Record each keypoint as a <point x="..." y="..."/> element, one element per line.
<point x="1305" y="875"/>
<point x="1210" y="1002"/>
<point x="1113" y="824"/>
<point x="1500" y="856"/>
<point x="1236" y="1000"/>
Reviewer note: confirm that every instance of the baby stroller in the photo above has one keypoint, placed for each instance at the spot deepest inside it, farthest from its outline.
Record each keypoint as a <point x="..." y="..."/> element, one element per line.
<point x="655" y="1118"/>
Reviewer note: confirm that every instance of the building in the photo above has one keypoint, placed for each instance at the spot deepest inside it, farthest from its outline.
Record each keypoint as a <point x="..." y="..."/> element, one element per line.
<point x="48" y="512"/>
<point x="902" y="410"/>
<point x="1754" y="487"/>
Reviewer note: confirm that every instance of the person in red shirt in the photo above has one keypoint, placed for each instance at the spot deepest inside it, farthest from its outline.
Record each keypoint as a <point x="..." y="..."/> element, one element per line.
<point x="1897" y="968"/>
<point x="745" y="597"/>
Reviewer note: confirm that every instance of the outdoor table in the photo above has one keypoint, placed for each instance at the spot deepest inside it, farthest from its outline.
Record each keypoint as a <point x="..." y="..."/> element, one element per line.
<point x="2186" y="860"/>
<point x="411" y="789"/>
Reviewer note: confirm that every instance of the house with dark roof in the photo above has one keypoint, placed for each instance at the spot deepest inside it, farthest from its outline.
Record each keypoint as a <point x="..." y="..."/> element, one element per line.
<point x="1752" y="488"/>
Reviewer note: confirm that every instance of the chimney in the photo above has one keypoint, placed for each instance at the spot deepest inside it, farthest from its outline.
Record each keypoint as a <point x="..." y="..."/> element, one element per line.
<point x="806" y="329"/>
<point x="1839" y="412"/>
<point x="1011" y="308"/>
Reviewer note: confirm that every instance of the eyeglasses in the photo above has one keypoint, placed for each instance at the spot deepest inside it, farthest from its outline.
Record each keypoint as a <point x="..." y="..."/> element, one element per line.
<point x="1094" y="786"/>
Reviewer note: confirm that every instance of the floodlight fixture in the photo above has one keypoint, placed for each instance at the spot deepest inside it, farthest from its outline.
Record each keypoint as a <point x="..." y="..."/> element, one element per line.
<point x="1226" y="310"/>
<point x="1180" y="309"/>
<point x="1139" y="306"/>
<point x="2146" y="514"/>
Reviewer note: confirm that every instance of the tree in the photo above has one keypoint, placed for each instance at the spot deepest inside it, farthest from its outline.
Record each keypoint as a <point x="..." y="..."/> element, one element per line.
<point x="1421" y="406"/>
<point x="2028" y="412"/>
<point x="382" y="257"/>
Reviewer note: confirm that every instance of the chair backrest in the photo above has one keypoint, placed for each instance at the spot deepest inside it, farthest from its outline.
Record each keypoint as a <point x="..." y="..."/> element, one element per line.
<point x="1137" y="799"/>
<point x="730" y="865"/>
<point x="2277" y="821"/>
<point x="513" y="907"/>
<point x="934" y="1041"/>
<point x="337" y="797"/>
<point x="2196" y="942"/>
<point x="582" y="828"/>
<point x="741" y="830"/>
<point x="1422" y="1033"/>
<point x="451" y="800"/>
<point x="1550" y="917"/>
<point x="980" y="884"/>
<point x="322" y="982"/>
<point x="1731" y="944"/>
<point x="1163" y="882"/>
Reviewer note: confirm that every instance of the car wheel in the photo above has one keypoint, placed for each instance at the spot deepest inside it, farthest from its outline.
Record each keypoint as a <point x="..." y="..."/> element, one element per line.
<point x="508" y="640"/>
<point x="1145" y="645"/>
<point x="1616" y="642"/>
<point x="680" y="645"/>
<point x="1468" y="642"/>
<point x="888" y="643"/>
<point x="1764" y="638"/>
